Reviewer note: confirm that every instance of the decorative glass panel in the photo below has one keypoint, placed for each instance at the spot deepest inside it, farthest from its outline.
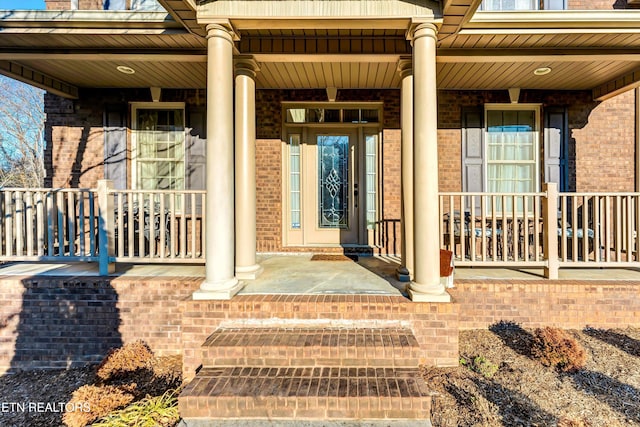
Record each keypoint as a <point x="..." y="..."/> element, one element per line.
<point x="333" y="181"/>
<point x="371" y="160"/>
<point x="294" y="179"/>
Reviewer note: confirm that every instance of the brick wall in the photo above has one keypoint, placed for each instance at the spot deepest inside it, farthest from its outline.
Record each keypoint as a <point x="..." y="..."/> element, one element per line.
<point x="50" y="322"/>
<point x="59" y="322"/>
<point x="532" y="303"/>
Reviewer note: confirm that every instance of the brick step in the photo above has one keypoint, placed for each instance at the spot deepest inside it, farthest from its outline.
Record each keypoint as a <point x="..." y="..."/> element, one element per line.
<point x="329" y="393"/>
<point x="324" y="346"/>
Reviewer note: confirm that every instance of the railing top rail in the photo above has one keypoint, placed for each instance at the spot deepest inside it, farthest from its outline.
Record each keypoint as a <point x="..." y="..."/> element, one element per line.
<point x="47" y="190"/>
<point x="132" y="191"/>
<point x="590" y="194"/>
<point x="462" y="193"/>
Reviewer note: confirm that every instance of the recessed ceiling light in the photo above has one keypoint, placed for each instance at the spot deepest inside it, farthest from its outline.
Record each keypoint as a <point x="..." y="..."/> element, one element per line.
<point x="124" y="69"/>
<point x="542" y="71"/>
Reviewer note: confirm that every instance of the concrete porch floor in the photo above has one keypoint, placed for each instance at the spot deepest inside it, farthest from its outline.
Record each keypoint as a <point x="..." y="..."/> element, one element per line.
<point x="297" y="275"/>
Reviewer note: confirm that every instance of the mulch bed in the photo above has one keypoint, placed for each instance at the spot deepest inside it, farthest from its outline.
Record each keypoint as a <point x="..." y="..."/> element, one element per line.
<point x="524" y="393"/>
<point x="521" y="393"/>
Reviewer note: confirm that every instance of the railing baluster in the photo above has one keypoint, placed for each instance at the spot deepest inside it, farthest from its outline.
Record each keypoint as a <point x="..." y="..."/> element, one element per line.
<point x="203" y="227"/>
<point x="618" y="242"/>
<point x="172" y="225"/>
<point x="193" y="225"/>
<point x="472" y="226"/>
<point x="636" y="231"/>
<point x="162" y="242"/>
<point x="141" y="228"/>
<point x="71" y="223"/>
<point x="525" y="228"/>
<point x="40" y="221"/>
<point x="628" y="228"/>
<point x="496" y="235"/>
<point x="483" y="226"/>
<point x="19" y="222"/>
<point x="81" y="223"/>
<point x="183" y="226"/>
<point x="92" y="224"/>
<point x="597" y="228"/>
<point x="608" y="232"/>
<point x="131" y="228"/>
<point x="50" y="223"/>
<point x="585" y="228"/>
<point x="119" y="223"/>
<point x="464" y="238"/>
<point x="8" y="223"/>
<point x="60" y="205"/>
<point x="29" y="221"/>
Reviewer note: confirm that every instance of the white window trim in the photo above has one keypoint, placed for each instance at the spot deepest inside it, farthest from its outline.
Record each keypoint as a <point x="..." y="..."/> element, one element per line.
<point x="537" y="108"/>
<point x="135" y="106"/>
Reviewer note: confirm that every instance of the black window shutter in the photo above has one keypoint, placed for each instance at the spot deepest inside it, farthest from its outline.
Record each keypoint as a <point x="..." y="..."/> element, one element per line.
<point x="115" y="146"/>
<point x="473" y="150"/>
<point x="555" y="147"/>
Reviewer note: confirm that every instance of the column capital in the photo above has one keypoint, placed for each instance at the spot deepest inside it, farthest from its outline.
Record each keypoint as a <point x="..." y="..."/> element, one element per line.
<point x="246" y="65"/>
<point x="405" y="66"/>
<point x="421" y="29"/>
<point x="223" y="29"/>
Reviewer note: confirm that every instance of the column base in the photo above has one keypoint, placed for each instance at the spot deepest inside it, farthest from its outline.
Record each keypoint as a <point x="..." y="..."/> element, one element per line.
<point x="428" y="293"/>
<point x="249" y="273"/>
<point x="219" y="290"/>
<point x="402" y="274"/>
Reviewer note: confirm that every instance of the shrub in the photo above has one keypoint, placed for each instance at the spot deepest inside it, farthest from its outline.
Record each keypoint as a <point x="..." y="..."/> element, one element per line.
<point x="481" y="365"/>
<point x="148" y="412"/>
<point x="555" y="347"/>
<point x="126" y="359"/>
<point x="98" y="402"/>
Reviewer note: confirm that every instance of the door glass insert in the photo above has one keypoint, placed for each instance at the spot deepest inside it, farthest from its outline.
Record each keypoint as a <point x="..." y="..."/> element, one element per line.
<point x="333" y="181"/>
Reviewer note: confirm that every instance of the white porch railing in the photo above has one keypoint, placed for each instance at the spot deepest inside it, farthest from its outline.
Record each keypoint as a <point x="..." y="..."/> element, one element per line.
<point x="46" y="224"/>
<point x="546" y="229"/>
<point x="103" y="225"/>
<point x="158" y="226"/>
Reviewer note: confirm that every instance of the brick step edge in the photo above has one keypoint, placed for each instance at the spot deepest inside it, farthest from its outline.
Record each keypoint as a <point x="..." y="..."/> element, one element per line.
<point x="311" y="347"/>
<point x="306" y="393"/>
<point x="306" y="408"/>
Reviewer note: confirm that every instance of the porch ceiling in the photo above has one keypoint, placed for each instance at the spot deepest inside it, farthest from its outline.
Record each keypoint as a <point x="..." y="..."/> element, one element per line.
<point x="83" y="50"/>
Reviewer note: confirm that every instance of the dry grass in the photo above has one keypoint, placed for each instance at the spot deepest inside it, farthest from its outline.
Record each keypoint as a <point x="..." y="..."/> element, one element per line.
<point x="120" y="362"/>
<point x="98" y="400"/>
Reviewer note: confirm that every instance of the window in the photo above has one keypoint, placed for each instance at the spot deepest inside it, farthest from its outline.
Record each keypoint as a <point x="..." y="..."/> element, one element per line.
<point x="507" y="5"/>
<point x="511" y="159"/>
<point x="497" y="5"/>
<point x="159" y="148"/>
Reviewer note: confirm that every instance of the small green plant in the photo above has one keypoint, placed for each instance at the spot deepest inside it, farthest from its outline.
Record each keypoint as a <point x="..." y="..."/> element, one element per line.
<point x="480" y="365"/>
<point x="555" y="347"/>
<point x="148" y="412"/>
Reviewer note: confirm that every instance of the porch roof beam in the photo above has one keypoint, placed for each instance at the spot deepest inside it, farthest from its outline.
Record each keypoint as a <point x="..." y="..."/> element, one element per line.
<point x="456" y="14"/>
<point x="617" y="86"/>
<point x="533" y="55"/>
<point x="333" y="23"/>
<point x="38" y="79"/>
<point x="327" y="58"/>
<point x="556" y="20"/>
<point x="93" y="56"/>
<point x="87" y="19"/>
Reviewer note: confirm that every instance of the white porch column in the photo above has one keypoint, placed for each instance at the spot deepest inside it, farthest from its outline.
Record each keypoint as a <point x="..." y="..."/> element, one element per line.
<point x="220" y="281"/>
<point x="426" y="276"/>
<point x="246" y="266"/>
<point x="405" y="271"/>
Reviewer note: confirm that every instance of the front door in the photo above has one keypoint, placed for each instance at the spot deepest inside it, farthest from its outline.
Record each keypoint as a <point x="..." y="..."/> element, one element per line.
<point x="330" y="196"/>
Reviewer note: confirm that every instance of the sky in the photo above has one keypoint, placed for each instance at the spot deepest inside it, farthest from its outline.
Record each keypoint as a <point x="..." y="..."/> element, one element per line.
<point x="21" y="4"/>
